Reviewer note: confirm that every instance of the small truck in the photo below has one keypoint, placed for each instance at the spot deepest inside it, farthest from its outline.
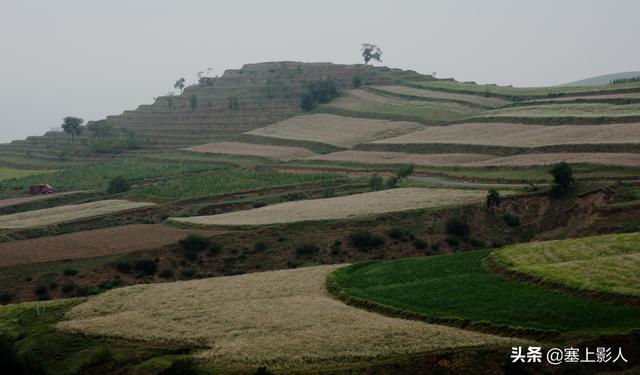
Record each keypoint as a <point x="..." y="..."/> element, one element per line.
<point x="41" y="189"/>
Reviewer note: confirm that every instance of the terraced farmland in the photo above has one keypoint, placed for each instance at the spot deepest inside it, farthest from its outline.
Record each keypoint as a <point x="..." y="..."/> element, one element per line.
<point x="408" y="92"/>
<point x="67" y="213"/>
<point x="336" y="130"/>
<point x="360" y="103"/>
<point x="352" y="206"/>
<point x="282" y="319"/>
<point x="607" y="112"/>
<point x="519" y="135"/>
<point x="10" y="173"/>
<point x="235" y="148"/>
<point x="90" y="244"/>
<point x="605" y="158"/>
<point x="605" y="264"/>
<point x="381" y="157"/>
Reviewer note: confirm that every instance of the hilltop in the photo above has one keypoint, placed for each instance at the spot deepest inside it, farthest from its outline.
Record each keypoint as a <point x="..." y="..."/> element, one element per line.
<point x="603" y="79"/>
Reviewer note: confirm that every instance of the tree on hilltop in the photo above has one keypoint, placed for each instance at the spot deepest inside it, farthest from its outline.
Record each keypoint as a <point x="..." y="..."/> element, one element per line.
<point x="73" y="126"/>
<point x="180" y="84"/>
<point x="371" y="52"/>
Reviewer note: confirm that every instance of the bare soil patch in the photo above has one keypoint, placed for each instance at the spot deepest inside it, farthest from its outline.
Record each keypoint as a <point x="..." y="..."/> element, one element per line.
<point x="382" y="157"/>
<point x="93" y="243"/>
<point x="235" y="148"/>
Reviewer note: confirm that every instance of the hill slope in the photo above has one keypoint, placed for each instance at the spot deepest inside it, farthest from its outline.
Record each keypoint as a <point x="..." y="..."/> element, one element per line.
<point x="603" y="79"/>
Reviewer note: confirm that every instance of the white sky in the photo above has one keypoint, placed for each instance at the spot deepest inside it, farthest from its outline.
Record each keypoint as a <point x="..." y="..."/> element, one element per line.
<point x="90" y="58"/>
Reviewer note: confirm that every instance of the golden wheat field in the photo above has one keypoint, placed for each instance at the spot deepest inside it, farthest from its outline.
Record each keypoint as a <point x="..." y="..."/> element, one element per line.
<point x="66" y="213"/>
<point x="351" y="206"/>
<point x="522" y="135"/>
<point x="336" y="130"/>
<point x="382" y="157"/>
<point x="282" y="319"/>
<point x="283" y="153"/>
<point x="475" y="99"/>
<point x="606" y="158"/>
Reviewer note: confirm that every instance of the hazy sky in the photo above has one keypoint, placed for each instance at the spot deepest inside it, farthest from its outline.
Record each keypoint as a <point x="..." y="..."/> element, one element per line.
<point x="92" y="58"/>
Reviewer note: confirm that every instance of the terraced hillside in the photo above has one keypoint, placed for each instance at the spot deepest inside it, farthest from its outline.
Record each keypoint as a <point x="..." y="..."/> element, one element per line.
<point x="240" y="100"/>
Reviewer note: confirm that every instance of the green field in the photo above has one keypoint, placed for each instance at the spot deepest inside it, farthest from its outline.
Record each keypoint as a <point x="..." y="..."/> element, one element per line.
<point x="523" y="92"/>
<point x="220" y="182"/>
<point x="10" y="173"/>
<point x="97" y="175"/>
<point x="458" y="288"/>
<point x="606" y="264"/>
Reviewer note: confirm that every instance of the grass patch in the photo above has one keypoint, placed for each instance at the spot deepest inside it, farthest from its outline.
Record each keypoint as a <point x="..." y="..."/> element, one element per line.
<point x="457" y="287"/>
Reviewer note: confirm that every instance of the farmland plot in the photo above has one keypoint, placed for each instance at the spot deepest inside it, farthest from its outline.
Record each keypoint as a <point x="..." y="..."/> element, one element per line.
<point x="519" y="135"/>
<point x="67" y="213"/>
<point x="623" y="159"/>
<point x="336" y="130"/>
<point x="608" y="264"/>
<point x="9" y="173"/>
<point x="426" y="93"/>
<point x="352" y="206"/>
<point x="282" y="319"/>
<point x="89" y="244"/>
<point x="567" y="110"/>
<point x="32" y="198"/>
<point x="376" y="157"/>
<point x="236" y="148"/>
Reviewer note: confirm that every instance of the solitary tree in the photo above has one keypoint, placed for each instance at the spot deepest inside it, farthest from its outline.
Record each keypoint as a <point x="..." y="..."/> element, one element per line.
<point x="72" y="126"/>
<point x="562" y="178"/>
<point x="493" y="198"/>
<point x="371" y="52"/>
<point x="179" y="84"/>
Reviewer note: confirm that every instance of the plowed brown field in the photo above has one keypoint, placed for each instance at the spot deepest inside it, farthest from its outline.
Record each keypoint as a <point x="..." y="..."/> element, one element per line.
<point x="90" y="244"/>
<point x="235" y="148"/>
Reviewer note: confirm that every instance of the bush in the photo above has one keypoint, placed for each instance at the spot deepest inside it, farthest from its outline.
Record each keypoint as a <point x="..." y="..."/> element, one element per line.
<point x="307" y="249"/>
<point x="262" y="371"/>
<point x="435" y="246"/>
<point x="498" y="243"/>
<point x="318" y="92"/>
<point x="356" y="82"/>
<point x="405" y="171"/>
<point x="118" y="185"/>
<point x="214" y="248"/>
<point x="167" y="273"/>
<point x="420" y="244"/>
<point x="493" y="198"/>
<point x="260" y="246"/>
<point x="40" y="289"/>
<point x="457" y="226"/>
<point x="188" y="272"/>
<point x="562" y="178"/>
<point x="124" y="266"/>
<point x="376" y="182"/>
<point x="193" y="101"/>
<point x="184" y="366"/>
<point x="193" y="244"/>
<point x="453" y="241"/>
<point x="258" y="204"/>
<point x="511" y="220"/>
<point x="5" y="297"/>
<point x="145" y="266"/>
<point x="69" y="287"/>
<point x="392" y="182"/>
<point x="70" y="272"/>
<point x="364" y="240"/>
<point x="476" y="242"/>
<point x="396" y="233"/>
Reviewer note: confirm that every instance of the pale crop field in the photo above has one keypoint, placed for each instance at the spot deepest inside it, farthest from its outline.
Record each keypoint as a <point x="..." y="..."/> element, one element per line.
<point x="521" y="135"/>
<point x="336" y="130"/>
<point x="606" y="158"/>
<point x="609" y="263"/>
<point x="9" y="173"/>
<point x="280" y="319"/>
<point x="426" y="93"/>
<point x="236" y="148"/>
<point x="352" y="206"/>
<point x="567" y="109"/>
<point x="382" y="157"/>
<point x="66" y="213"/>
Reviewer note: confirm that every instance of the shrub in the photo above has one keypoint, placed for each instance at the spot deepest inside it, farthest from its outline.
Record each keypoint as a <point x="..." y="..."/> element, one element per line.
<point x="214" y="248"/>
<point x="307" y="249"/>
<point x="163" y="216"/>
<point x="40" y="289"/>
<point x="420" y="244"/>
<point x="511" y="220"/>
<point x="145" y="266"/>
<point x="396" y="233"/>
<point x="364" y="240"/>
<point x="260" y="246"/>
<point x="356" y="82"/>
<point x="392" y="182"/>
<point x="258" y="204"/>
<point x="70" y="272"/>
<point x="453" y="241"/>
<point x="193" y="244"/>
<point x="232" y="103"/>
<point x="262" y="371"/>
<point x="124" y="266"/>
<point x="188" y="272"/>
<point x="457" y="226"/>
<point x="69" y="287"/>
<point x="118" y="185"/>
<point x="476" y="242"/>
<point x="167" y="273"/>
<point x="405" y="171"/>
<point x="562" y="178"/>
<point x="493" y="198"/>
<point x="5" y="297"/>
<point x="194" y="102"/>
<point x="498" y="242"/>
<point x="435" y="246"/>
<point x="184" y="366"/>
<point x="376" y="182"/>
<point x="320" y="91"/>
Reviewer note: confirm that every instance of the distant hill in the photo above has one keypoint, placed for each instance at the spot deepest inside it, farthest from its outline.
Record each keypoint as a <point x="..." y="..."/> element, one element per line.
<point x="602" y="80"/>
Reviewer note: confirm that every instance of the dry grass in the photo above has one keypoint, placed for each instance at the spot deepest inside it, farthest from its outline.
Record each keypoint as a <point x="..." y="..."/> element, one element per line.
<point x="357" y="205"/>
<point x="67" y="213"/>
<point x="426" y="93"/>
<point x="624" y="159"/>
<point x="282" y="319"/>
<point x="606" y="264"/>
<point x="522" y="135"/>
<point x="336" y="130"/>
<point x="375" y="157"/>
<point x="235" y="148"/>
<point x="89" y="244"/>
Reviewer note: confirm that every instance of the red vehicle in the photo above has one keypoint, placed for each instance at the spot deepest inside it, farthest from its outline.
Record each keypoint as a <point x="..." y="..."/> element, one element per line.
<point x="41" y="189"/>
